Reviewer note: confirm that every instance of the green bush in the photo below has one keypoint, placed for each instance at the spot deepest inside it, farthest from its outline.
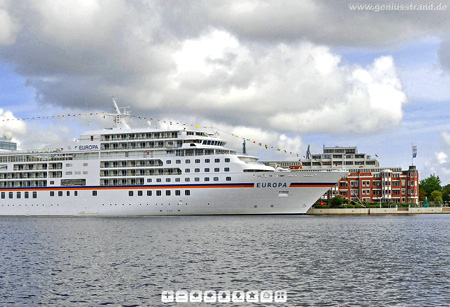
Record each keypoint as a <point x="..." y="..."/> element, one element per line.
<point x="336" y="201"/>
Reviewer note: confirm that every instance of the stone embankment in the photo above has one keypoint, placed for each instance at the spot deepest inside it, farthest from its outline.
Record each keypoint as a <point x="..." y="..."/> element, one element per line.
<point x="374" y="211"/>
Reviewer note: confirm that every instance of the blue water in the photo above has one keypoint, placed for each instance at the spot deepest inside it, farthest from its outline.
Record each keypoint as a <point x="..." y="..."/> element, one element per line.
<point x="318" y="260"/>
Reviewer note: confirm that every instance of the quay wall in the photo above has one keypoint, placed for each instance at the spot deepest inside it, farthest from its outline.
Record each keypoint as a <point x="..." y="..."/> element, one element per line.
<point x="374" y="211"/>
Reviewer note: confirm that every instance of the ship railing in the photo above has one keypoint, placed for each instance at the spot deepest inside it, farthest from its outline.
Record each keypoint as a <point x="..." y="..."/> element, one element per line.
<point x="321" y="170"/>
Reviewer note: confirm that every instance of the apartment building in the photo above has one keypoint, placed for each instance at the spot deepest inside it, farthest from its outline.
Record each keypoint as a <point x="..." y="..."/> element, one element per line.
<point x="366" y="181"/>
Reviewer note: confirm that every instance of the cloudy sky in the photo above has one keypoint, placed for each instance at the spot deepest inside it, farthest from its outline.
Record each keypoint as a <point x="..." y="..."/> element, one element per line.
<point x="284" y="73"/>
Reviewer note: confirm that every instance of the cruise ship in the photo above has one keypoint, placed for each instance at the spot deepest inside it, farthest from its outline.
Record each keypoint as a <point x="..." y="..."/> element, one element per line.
<point x="124" y="171"/>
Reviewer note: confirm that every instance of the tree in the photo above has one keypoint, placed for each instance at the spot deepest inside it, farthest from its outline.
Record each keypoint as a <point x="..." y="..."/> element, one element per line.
<point x="436" y="196"/>
<point x="446" y="193"/>
<point x="430" y="184"/>
<point x="336" y="201"/>
<point x="422" y="195"/>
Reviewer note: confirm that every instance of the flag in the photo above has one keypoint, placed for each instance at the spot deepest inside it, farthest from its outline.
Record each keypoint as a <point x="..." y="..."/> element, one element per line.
<point x="376" y="155"/>
<point x="414" y="152"/>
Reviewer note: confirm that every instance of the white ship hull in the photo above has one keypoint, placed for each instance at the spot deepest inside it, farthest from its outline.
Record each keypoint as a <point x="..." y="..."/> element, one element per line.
<point x="281" y="193"/>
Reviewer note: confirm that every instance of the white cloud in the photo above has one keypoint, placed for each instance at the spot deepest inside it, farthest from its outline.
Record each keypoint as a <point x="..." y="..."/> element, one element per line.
<point x="367" y="100"/>
<point x="441" y="157"/>
<point x="438" y="165"/>
<point x="43" y="133"/>
<point x="290" y="144"/>
<point x="301" y="87"/>
<point x="445" y="136"/>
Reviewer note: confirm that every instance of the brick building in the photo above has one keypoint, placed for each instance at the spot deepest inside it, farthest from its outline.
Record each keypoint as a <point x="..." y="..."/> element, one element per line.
<point x="366" y="181"/>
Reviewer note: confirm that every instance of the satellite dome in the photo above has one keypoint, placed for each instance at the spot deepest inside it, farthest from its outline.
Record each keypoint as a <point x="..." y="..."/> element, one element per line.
<point x="8" y="135"/>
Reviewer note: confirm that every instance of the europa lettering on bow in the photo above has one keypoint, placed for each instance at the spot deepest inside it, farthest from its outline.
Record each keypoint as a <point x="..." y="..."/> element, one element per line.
<point x="271" y="185"/>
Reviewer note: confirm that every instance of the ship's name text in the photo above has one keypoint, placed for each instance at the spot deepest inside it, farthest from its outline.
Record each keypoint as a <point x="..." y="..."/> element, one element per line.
<point x="271" y="185"/>
<point x="88" y="147"/>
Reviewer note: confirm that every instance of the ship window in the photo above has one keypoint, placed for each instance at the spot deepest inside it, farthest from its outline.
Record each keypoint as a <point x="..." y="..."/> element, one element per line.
<point x="149" y="193"/>
<point x="167" y="179"/>
<point x="206" y="170"/>
<point x="207" y="160"/>
<point x="217" y="160"/>
<point x="52" y="193"/>
<point x="178" y="161"/>
<point x="187" y="192"/>
<point x="130" y="193"/>
<point x="216" y="178"/>
<point x="197" y="170"/>
<point x="196" y="179"/>
<point x="206" y="178"/>
<point x="75" y="193"/>
<point x="226" y="169"/>
<point x="228" y="179"/>
<point x="158" y="179"/>
<point x="177" y="179"/>
<point x="140" y="193"/>
<point x="69" y="164"/>
<point x="167" y="192"/>
<point x="217" y="169"/>
<point x="27" y="194"/>
<point x="68" y="173"/>
<point x="11" y="194"/>
<point x="187" y="170"/>
<point x="158" y="193"/>
<point x="149" y="180"/>
<point x="197" y="160"/>
<point x="187" y="179"/>
<point x="85" y="164"/>
<point x="188" y="161"/>
<point x="60" y="193"/>
<point x="34" y="194"/>
<point x="68" y="193"/>
<point x="168" y="161"/>
<point x="18" y="195"/>
<point x="52" y="182"/>
<point x="94" y="193"/>
<point x="3" y="195"/>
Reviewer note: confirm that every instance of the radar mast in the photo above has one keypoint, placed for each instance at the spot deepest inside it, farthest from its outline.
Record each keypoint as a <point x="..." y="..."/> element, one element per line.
<point x="121" y="119"/>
